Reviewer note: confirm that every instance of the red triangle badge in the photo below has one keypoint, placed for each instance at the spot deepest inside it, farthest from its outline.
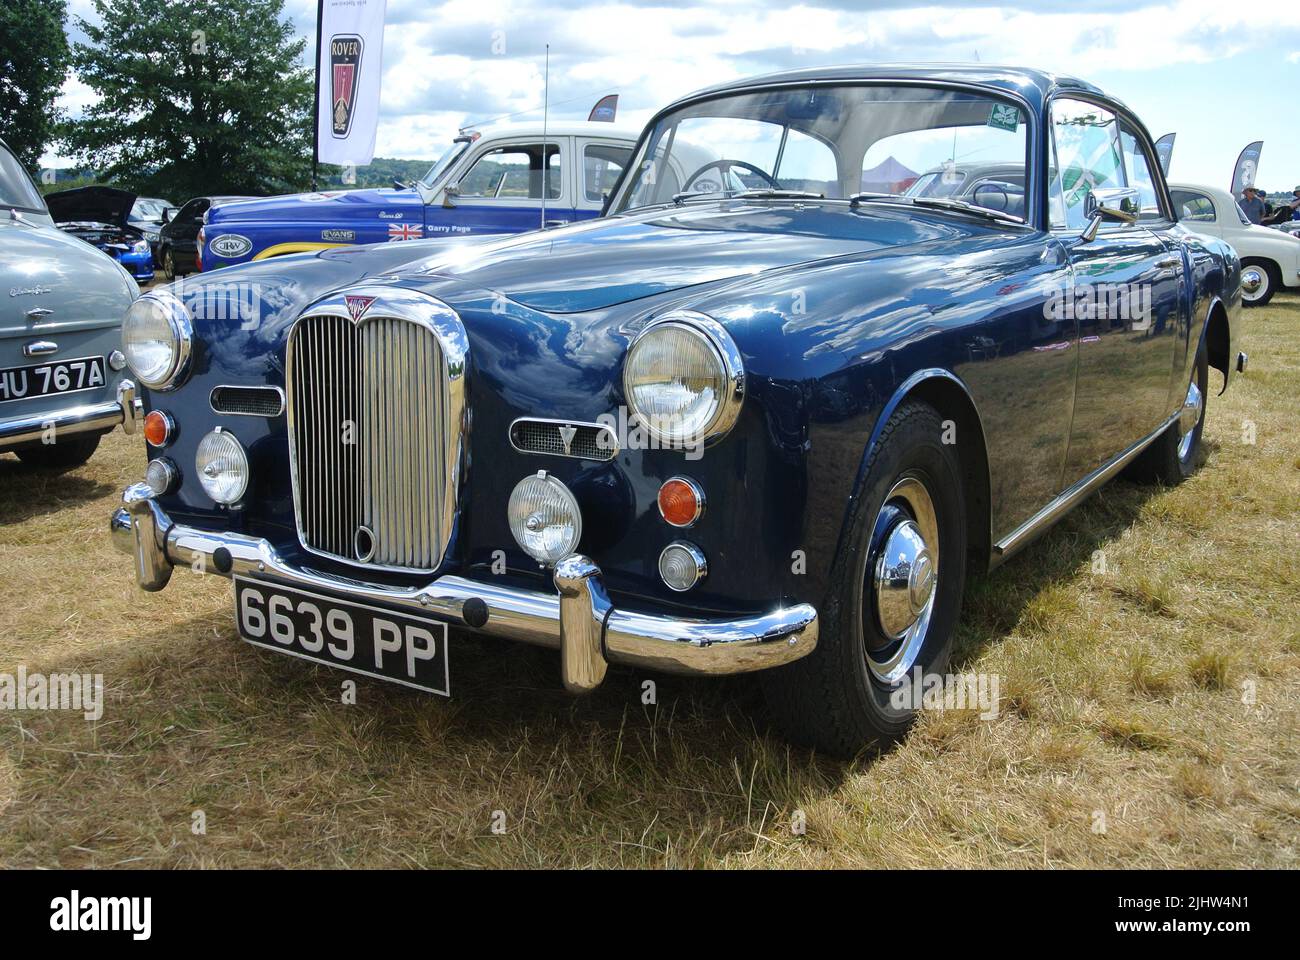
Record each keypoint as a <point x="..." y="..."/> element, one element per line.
<point x="357" y="306"/>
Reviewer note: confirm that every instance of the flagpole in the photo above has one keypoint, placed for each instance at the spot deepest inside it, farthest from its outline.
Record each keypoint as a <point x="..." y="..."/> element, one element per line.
<point x="546" y="106"/>
<point x="315" y="113"/>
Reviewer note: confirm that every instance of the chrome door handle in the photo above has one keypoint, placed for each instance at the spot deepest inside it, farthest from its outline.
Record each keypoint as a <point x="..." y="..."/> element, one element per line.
<point x="38" y="313"/>
<point x="555" y="223"/>
<point x="40" y="348"/>
<point x="1169" y="263"/>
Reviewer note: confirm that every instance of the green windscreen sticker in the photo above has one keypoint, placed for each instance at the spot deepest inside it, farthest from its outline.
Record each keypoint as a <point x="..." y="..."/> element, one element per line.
<point x="1004" y="117"/>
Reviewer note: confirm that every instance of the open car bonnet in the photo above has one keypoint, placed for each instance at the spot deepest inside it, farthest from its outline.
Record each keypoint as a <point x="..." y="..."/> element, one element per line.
<point x="91" y="205"/>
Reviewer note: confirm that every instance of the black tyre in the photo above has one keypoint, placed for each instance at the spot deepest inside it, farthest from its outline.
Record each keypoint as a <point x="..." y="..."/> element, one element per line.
<point x="884" y="620"/>
<point x="169" y="264"/>
<point x="1173" y="456"/>
<point x="1260" y="279"/>
<point x="72" y="452"/>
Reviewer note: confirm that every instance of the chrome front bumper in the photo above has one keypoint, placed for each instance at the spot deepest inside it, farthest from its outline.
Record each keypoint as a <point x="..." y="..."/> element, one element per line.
<point x="579" y="619"/>
<point x="127" y="409"/>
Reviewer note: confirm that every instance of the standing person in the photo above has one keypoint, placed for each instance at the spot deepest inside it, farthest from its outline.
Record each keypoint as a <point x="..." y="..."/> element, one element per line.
<point x="1252" y="206"/>
<point x="1295" y="203"/>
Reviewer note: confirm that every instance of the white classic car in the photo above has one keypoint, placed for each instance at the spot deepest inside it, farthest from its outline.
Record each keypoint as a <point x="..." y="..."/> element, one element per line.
<point x="1270" y="259"/>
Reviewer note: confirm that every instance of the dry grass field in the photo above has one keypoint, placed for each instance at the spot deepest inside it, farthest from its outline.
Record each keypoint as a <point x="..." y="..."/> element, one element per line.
<point x="1148" y="711"/>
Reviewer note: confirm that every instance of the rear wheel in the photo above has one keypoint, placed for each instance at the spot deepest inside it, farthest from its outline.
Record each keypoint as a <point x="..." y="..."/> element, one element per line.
<point x="169" y="264"/>
<point x="894" y="600"/>
<point x="1172" y="457"/>
<point x="1259" y="281"/>
<point x="63" y="455"/>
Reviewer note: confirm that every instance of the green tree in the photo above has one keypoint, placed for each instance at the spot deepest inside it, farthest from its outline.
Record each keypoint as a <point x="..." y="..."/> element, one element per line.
<point x="195" y="97"/>
<point x="33" y="62"/>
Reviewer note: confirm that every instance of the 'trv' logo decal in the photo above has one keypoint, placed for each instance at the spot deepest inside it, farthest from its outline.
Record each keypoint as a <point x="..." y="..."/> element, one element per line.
<point x="357" y="306"/>
<point x="345" y="68"/>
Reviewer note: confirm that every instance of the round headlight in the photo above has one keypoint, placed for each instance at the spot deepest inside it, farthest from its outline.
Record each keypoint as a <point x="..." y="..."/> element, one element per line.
<point x="222" y="466"/>
<point x="156" y="338"/>
<point x="544" y="518"/>
<point x="684" y="380"/>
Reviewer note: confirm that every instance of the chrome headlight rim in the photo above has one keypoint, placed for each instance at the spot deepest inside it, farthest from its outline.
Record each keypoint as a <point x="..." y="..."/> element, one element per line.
<point x="182" y="327"/>
<point x="730" y="398"/>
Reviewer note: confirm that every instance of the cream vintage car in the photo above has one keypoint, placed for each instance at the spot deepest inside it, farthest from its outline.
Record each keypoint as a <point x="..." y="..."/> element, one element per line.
<point x="1270" y="259"/>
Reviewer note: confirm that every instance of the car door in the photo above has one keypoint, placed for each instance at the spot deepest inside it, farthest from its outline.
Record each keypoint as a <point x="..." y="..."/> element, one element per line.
<point x="502" y="190"/>
<point x="596" y="167"/>
<point x="1125" y="290"/>
<point x="183" y="231"/>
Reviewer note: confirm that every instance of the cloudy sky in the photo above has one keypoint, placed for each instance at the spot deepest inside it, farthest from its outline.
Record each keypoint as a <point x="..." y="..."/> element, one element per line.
<point x="1196" y="67"/>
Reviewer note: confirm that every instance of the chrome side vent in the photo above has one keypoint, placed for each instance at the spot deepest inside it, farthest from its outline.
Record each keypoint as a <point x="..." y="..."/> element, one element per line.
<point x="562" y="438"/>
<point x="247" y="401"/>
<point x="374" y="433"/>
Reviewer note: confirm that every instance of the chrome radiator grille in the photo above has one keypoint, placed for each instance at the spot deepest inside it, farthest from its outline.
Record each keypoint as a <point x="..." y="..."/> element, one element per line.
<point x="371" y="441"/>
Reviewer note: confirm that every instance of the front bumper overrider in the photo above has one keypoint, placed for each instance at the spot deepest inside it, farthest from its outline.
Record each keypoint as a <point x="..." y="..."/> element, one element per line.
<point x="127" y="410"/>
<point x="579" y="618"/>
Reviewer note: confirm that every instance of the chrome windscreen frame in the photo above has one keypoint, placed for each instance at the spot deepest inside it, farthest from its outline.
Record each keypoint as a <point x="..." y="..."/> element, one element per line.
<point x="445" y="324"/>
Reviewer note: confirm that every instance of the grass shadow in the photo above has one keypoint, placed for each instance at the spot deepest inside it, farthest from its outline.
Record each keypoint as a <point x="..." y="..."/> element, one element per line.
<point x="27" y="492"/>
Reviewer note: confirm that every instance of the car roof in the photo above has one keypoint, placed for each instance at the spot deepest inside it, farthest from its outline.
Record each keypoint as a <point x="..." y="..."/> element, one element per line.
<point x="1220" y="195"/>
<point x="555" y="128"/>
<point x="1035" y="85"/>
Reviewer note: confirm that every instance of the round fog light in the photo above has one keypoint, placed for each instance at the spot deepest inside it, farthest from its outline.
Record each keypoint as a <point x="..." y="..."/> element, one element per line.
<point x="222" y="466"/>
<point x="682" y="565"/>
<point x="544" y="518"/>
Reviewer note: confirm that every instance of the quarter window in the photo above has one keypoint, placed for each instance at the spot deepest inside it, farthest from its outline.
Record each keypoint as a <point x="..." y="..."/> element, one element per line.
<point x="1194" y="207"/>
<point x="1139" y="174"/>
<point x="513" y="173"/>
<point x="601" y="166"/>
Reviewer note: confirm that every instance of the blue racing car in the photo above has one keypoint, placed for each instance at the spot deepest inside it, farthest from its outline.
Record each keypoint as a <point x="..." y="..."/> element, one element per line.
<point x="100" y="216"/>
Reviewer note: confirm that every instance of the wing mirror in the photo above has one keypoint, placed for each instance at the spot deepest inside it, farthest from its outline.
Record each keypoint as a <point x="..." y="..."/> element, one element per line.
<point x="1111" y="205"/>
<point x="449" y="191"/>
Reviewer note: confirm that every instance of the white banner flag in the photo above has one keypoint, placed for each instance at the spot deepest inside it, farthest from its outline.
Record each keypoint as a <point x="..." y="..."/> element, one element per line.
<point x="349" y="74"/>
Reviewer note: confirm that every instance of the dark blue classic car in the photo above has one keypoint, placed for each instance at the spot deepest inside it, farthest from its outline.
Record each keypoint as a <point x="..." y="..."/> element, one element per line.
<point x="754" y="419"/>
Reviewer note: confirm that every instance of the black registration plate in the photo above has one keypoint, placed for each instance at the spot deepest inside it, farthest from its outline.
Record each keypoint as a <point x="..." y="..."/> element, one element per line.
<point x="47" y="379"/>
<point x="360" y="637"/>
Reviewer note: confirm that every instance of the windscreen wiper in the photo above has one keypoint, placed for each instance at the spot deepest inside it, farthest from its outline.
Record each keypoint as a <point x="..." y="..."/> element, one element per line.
<point x="937" y="203"/>
<point x="775" y="194"/>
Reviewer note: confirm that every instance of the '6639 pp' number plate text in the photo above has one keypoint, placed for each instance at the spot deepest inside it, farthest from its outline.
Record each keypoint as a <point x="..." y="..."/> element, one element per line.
<point x="342" y="633"/>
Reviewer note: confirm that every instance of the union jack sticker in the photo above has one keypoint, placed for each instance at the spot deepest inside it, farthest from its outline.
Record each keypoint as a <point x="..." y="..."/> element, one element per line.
<point x="404" y="231"/>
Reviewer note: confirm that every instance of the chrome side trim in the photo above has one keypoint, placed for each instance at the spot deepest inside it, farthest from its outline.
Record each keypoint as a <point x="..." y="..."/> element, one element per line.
<point x="578" y="618"/>
<point x="1074" y="495"/>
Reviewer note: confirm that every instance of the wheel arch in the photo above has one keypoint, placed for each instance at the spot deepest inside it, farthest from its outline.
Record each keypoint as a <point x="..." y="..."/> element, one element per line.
<point x="949" y="395"/>
<point x="1216" y="335"/>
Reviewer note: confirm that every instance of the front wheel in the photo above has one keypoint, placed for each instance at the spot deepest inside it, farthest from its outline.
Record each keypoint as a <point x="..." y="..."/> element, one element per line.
<point x="1259" y="281"/>
<point x="894" y="599"/>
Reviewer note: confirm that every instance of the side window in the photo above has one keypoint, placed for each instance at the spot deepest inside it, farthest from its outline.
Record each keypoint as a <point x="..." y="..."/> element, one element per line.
<point x="1139" y="173"/>
<point x="513" y="173"/>
<point x="601" y="166"/>
<point x="808" y="164"/>
<point x="1087" y="155"/>
<point x="1194" y="207"/>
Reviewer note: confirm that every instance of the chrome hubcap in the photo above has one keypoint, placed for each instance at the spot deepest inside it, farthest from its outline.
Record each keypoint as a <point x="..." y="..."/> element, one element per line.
<point x="1252" y="282"/>
<point x="1188" y="418"/>
<point x="903" y="574"/>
